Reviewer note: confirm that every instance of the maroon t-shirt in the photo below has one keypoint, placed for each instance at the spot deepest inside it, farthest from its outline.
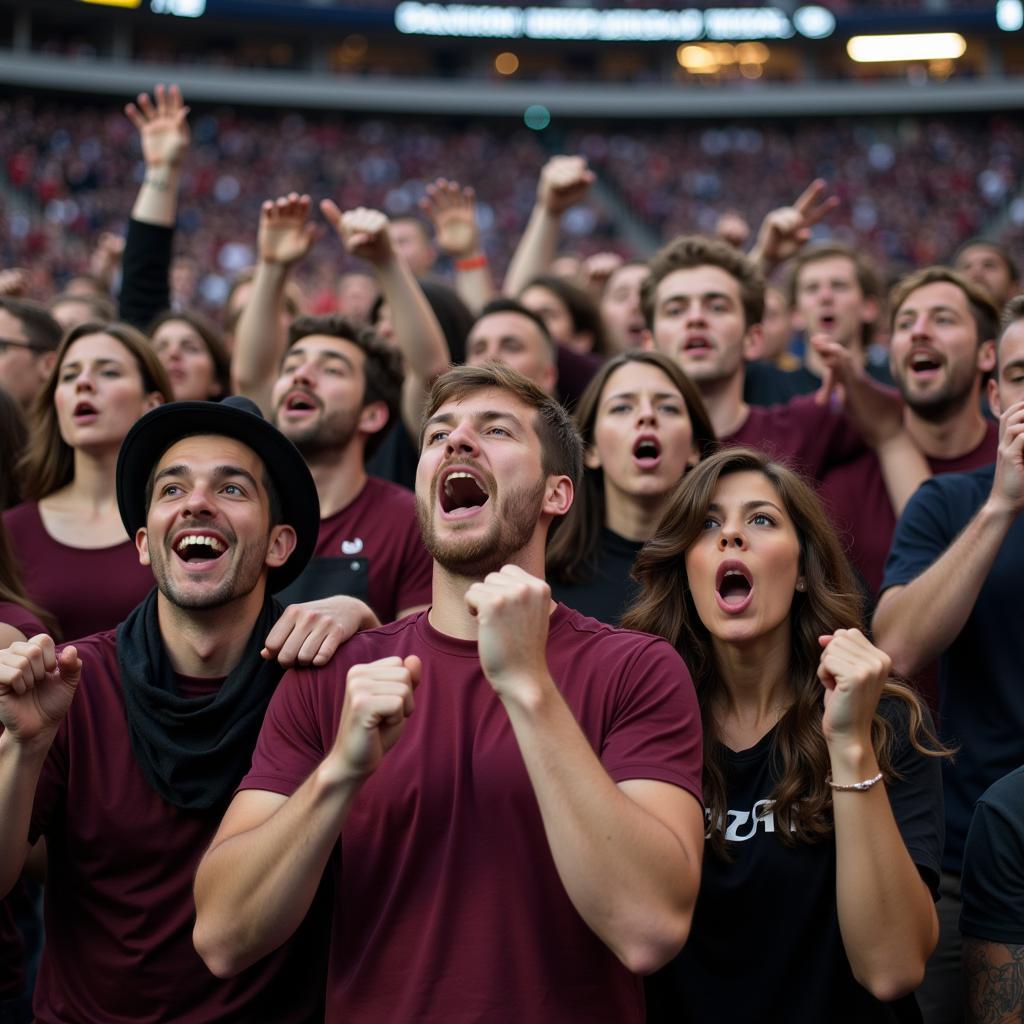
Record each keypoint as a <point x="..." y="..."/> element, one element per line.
<point x="119" y="910"/>
<point x="12" y="949"/>
<point x="87" y="590"/>
<point x="858" y="503"/>
<point x="371" y="549"/>
<point x="803" y="434"/>
<point x="449" y="908"/>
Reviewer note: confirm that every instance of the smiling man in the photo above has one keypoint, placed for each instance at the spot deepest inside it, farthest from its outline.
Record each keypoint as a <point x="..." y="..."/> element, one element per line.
<point x="124" y="749"/>
<point x="521" y="836"/>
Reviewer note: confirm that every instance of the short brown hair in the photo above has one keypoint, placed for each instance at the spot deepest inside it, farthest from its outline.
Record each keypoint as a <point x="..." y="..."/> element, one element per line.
<point x="42" y="332"/>
<point x="688" y="251"/>
<point x="1013" y="312"/>
<point x="561" y="447"/>
<point x="983" y="309"/>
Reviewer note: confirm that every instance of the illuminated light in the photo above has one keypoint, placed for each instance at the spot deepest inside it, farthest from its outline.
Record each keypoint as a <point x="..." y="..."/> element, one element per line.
<point x="917" y="46"/>
<point x="940" y="69"/>
<point x="725" y="53"/>
<point x="537" y="117"/>
<point x="751" y="70"/>
<point x="114" y="3"/>
<point x="752" y="53"/>
<point x="698" y="59"/>
<point x="814" y="22"/>
<point x="1010" y="15"/>
<point x="506" y="63"/>
<point x="179" y="8"/>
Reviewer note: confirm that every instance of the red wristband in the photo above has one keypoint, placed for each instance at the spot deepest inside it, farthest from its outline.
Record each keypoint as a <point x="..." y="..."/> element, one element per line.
<point x="471" y="262"/>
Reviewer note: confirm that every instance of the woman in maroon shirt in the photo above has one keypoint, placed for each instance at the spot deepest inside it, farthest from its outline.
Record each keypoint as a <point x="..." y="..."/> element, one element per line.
<point x="73" y="554"/>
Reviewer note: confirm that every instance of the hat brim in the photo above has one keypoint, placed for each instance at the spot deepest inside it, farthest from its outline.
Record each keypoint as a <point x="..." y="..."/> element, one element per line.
<point x="163" y="426"/>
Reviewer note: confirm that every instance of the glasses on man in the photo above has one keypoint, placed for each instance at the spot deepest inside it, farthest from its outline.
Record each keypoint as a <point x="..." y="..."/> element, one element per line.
<point x="6" y="343"/>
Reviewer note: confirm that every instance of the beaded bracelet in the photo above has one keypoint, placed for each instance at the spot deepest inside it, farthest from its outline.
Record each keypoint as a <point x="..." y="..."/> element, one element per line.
<point x="856" y="787"/>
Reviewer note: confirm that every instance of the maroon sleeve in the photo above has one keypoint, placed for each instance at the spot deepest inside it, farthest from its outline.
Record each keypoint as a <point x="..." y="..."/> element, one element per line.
<point x="291" y="742"/>
<point x="12" y="614"/>
<point x="813" y="437"/>
<point x="656" y="732"/>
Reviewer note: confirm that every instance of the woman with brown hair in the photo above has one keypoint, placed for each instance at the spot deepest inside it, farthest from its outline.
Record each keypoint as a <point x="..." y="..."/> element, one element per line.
<point x="192" y="350"/>
<point x="73" y="553"/>
<point x="821" y="777"/>
<point x="643" y="425"/>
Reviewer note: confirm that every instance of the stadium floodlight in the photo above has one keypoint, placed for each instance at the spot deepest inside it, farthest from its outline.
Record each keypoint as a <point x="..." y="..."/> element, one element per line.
<point x="1010" y="15"/>
<point x="814" y="22"/>
<point x="912" y="46"/>
<point x="114" y="3"/>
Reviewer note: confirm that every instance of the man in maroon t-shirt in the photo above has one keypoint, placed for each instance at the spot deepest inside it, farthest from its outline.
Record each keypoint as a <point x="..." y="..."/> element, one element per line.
<point x="942" y="348"/>
<point x="124" y="749"/>
<point x="521" y="836"/>
<point x="704" y="302"/>
<point x="337" y="391"/>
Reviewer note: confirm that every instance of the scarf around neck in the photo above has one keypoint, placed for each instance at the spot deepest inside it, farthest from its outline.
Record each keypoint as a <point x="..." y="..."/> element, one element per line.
<point x="193" y="750"/>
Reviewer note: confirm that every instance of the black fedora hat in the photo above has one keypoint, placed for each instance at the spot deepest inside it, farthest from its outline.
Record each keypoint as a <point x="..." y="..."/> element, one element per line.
<point x="237" y="418"/>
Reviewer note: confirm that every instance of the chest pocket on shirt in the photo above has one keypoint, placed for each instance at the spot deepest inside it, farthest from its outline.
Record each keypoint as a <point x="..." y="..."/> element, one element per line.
<point x="325" y="577"/>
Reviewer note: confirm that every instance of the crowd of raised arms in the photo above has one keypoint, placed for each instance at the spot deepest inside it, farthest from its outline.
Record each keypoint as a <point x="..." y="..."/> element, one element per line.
<point x="622" y="641"/>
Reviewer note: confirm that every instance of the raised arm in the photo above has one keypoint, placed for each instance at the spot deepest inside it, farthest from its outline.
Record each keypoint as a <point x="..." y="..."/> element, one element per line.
<point x="452" y="209"/>
<point x="417" y="332"/>
<point x="917" y="622"/>
<point x="886" y="914"/>
<point x="564" y="181"/>
<point x="162" y="124"/>
<point x="285" y="236"/>
<point x="877" y="412"/>
<point x="36" y="690"/>
<point x="786" y="230"/>
<point x="628" y="855"/>
<point x="258" y="878"/>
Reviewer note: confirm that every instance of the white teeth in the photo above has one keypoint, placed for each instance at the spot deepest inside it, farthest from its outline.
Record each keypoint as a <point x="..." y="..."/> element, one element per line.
<point x="192" y="538"/>
<point x="456" y="476"/>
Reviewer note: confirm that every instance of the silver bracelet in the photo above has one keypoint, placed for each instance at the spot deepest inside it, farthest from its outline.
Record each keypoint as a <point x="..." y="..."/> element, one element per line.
<point x="856" y="787"/>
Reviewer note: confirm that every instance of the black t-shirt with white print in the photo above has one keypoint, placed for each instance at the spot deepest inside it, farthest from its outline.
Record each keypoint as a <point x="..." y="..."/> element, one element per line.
<point x="765" y="943"/>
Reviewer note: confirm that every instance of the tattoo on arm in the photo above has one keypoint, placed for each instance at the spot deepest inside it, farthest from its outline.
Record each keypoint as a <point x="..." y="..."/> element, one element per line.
<point x="994" y="973"/>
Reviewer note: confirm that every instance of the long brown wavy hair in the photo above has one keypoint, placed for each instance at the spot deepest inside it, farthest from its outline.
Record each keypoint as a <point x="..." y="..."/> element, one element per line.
<point x="49" y="461"/>
<point x="831" y="601"/>
<point x="573" y="549"/>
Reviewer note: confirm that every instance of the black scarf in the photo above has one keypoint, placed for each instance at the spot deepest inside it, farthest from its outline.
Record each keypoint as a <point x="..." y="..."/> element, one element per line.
<point x="193" y="750"/>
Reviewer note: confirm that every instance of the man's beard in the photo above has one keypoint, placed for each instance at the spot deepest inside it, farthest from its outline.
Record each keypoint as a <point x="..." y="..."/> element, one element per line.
<point x="510" y="530"/>
<point x="331" y="432"/>
<point x="943" y="404"/>
<point x="240" y="580"/>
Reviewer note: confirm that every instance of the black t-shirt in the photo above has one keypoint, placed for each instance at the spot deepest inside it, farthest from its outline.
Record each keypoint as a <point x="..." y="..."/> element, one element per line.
<point x="396" y="457"/>
<point x="993" y="879"/>
<point x="767" y="384"/>
<point x="981" y="696"/>
<point x="765" y="943"/>
<point x="610" y="589"/>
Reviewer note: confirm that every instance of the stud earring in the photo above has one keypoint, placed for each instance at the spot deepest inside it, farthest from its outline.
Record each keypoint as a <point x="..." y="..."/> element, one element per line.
<point x="801" y="586"/>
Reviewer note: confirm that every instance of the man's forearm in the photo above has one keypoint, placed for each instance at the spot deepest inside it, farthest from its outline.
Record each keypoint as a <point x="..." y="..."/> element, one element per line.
<point x="255" y="884"/>
<point x="915" y="623"/>
<point x="994" y="976"/>
<point x="904" y="469"/>
<point x="259" y="343"/>
<point x="535" y="251"/>
<point x="20" y="768"/>
<point x="629" y="875"/>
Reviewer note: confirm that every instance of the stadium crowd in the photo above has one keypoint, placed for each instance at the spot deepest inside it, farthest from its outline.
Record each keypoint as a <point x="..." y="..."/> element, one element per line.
<point x="412" y="610"/>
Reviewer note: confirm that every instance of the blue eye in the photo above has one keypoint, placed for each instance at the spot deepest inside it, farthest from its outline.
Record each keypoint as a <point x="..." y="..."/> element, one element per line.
<point x="763" y="520"/>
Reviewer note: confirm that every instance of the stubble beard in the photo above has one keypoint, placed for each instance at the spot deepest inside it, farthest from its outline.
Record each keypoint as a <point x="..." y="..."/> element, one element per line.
<point x="509" y="532"/>
<point x="240" y="580"/>
<point x="331" y="432"/>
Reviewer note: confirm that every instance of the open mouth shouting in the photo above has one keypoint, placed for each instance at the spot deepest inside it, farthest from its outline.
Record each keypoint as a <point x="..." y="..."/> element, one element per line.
<point x="462" y="492"/>
<point x="85" y="412"/>
<point x="924" y="364"/>
<point x="647" y="452"/>
<point x="199" y="550"/>
<point x="697" y="345"/>
<point x="734" y="587"/>
<point x="298" y="403"/>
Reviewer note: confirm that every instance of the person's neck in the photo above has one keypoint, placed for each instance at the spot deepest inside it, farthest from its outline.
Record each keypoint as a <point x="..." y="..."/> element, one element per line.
<point x="449" y="613"/>
<point x="94" y="485"/>
<point x="951" y="437"/>
<point x="631" y="516"/>
<point x="339" y="475"/>
<point x="208" y="643"/>
<point x="813" y="363"/>
<point x="723" y="400"/>
<point x="756" y="686"/>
